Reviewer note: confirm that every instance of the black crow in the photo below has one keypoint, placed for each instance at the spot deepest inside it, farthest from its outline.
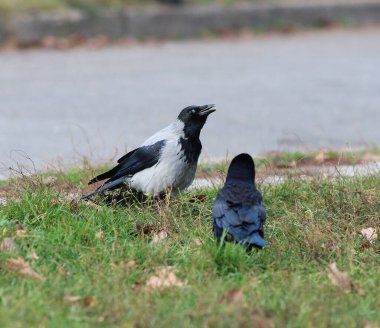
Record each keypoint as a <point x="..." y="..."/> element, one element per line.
<point x="167" y="160"/>
<point x="238" y="209"/>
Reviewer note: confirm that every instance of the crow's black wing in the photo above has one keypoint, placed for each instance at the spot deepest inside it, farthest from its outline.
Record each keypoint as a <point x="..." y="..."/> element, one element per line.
<point x="135" y="161"/>
<point x="218" y="212"/>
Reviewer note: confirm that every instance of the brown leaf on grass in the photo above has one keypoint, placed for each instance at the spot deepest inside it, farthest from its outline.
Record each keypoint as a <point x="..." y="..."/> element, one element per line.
<point x="165" y="278"/>
<point x="23" y="268"/>
<point x="99" y="234"/>
<point x="8" y="245"/>
<point x="342" y="280"/>
<point x="86" y="301"/>
<point x="233" y="295"/>
<point x="137" y="286"/>
<point x="72" y="299"/>
<point x="370" y="234"/>
<point x="21" y="233"/>
<point x="160" y="236"/>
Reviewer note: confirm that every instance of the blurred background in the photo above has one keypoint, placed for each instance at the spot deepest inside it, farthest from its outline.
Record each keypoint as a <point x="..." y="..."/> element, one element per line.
<point x="87" y="80"/>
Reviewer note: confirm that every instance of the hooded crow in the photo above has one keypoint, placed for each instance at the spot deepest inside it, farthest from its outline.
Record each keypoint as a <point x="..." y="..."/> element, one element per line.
<point x="167" y="160"/>
<point x="238" y="209"/>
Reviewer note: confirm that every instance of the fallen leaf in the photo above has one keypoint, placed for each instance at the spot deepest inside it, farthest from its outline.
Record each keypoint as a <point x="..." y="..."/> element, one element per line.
<point x="3" y="201"/>
<point x="72" y="299"/>
<point x="21" y="233"/>
<point x="86" y="301"/>
<point x="137" y="286"/>
<point x="233" y="295"/>
<point x="370" y="234"/>
<point x="8" y="245"/>
<point x="165" y="278"/>
<point x="99" y="234"/>
<point x="160" y="236"/>
<point x="342" y="280"/>
<point x="23" y="268"/>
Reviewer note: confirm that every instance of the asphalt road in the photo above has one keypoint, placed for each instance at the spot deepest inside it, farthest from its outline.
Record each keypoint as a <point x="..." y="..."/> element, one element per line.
<point x="276" y="92"/>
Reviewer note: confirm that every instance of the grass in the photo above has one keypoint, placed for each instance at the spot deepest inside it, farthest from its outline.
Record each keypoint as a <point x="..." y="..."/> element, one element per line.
<point x="298" y="159"/>
<point x="97" y="260"/>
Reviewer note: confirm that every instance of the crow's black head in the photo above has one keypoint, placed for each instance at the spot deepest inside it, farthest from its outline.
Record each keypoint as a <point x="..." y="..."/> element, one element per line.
<point x="242" y="168"/>
<point x="194" y="117"/>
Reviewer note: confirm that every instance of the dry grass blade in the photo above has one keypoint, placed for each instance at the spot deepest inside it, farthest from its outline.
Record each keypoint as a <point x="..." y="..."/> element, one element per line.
<point x="342" y="280"/>
<point x="23" y="268"/>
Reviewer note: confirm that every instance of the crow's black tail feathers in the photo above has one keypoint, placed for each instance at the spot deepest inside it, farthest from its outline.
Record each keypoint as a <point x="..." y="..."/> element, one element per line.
<point x="108" y="186"/>
<point x="105" y="175"/>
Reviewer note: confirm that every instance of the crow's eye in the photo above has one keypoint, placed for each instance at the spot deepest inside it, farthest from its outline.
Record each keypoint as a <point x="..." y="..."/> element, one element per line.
<point x="193" y="111"/>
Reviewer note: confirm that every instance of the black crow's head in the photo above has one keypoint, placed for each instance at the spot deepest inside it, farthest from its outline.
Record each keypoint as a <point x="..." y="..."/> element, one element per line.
<point x="242" y="168"/>
<point x="194" y="117"/>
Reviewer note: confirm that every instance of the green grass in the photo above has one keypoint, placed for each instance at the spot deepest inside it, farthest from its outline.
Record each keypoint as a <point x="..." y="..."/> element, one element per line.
<point x="310" y="224"/>
<point x="288" y="160"/>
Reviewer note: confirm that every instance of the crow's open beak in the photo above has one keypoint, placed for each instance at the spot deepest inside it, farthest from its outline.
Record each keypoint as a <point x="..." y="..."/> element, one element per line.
<point x="206" y="110"/>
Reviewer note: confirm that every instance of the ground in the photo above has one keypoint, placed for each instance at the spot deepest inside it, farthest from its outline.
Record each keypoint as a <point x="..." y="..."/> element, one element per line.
<point x="88" y="5"/>
<point x="70" y="263"/>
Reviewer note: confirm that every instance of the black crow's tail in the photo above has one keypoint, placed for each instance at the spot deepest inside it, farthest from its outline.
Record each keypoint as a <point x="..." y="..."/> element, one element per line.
<point x="105" y="175"/>
<point x="108" y="186"/>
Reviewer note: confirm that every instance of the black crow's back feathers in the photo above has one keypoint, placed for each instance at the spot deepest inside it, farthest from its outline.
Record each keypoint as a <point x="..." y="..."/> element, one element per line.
<point x="238" y="209"/>
<point x="135" y="161"/>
